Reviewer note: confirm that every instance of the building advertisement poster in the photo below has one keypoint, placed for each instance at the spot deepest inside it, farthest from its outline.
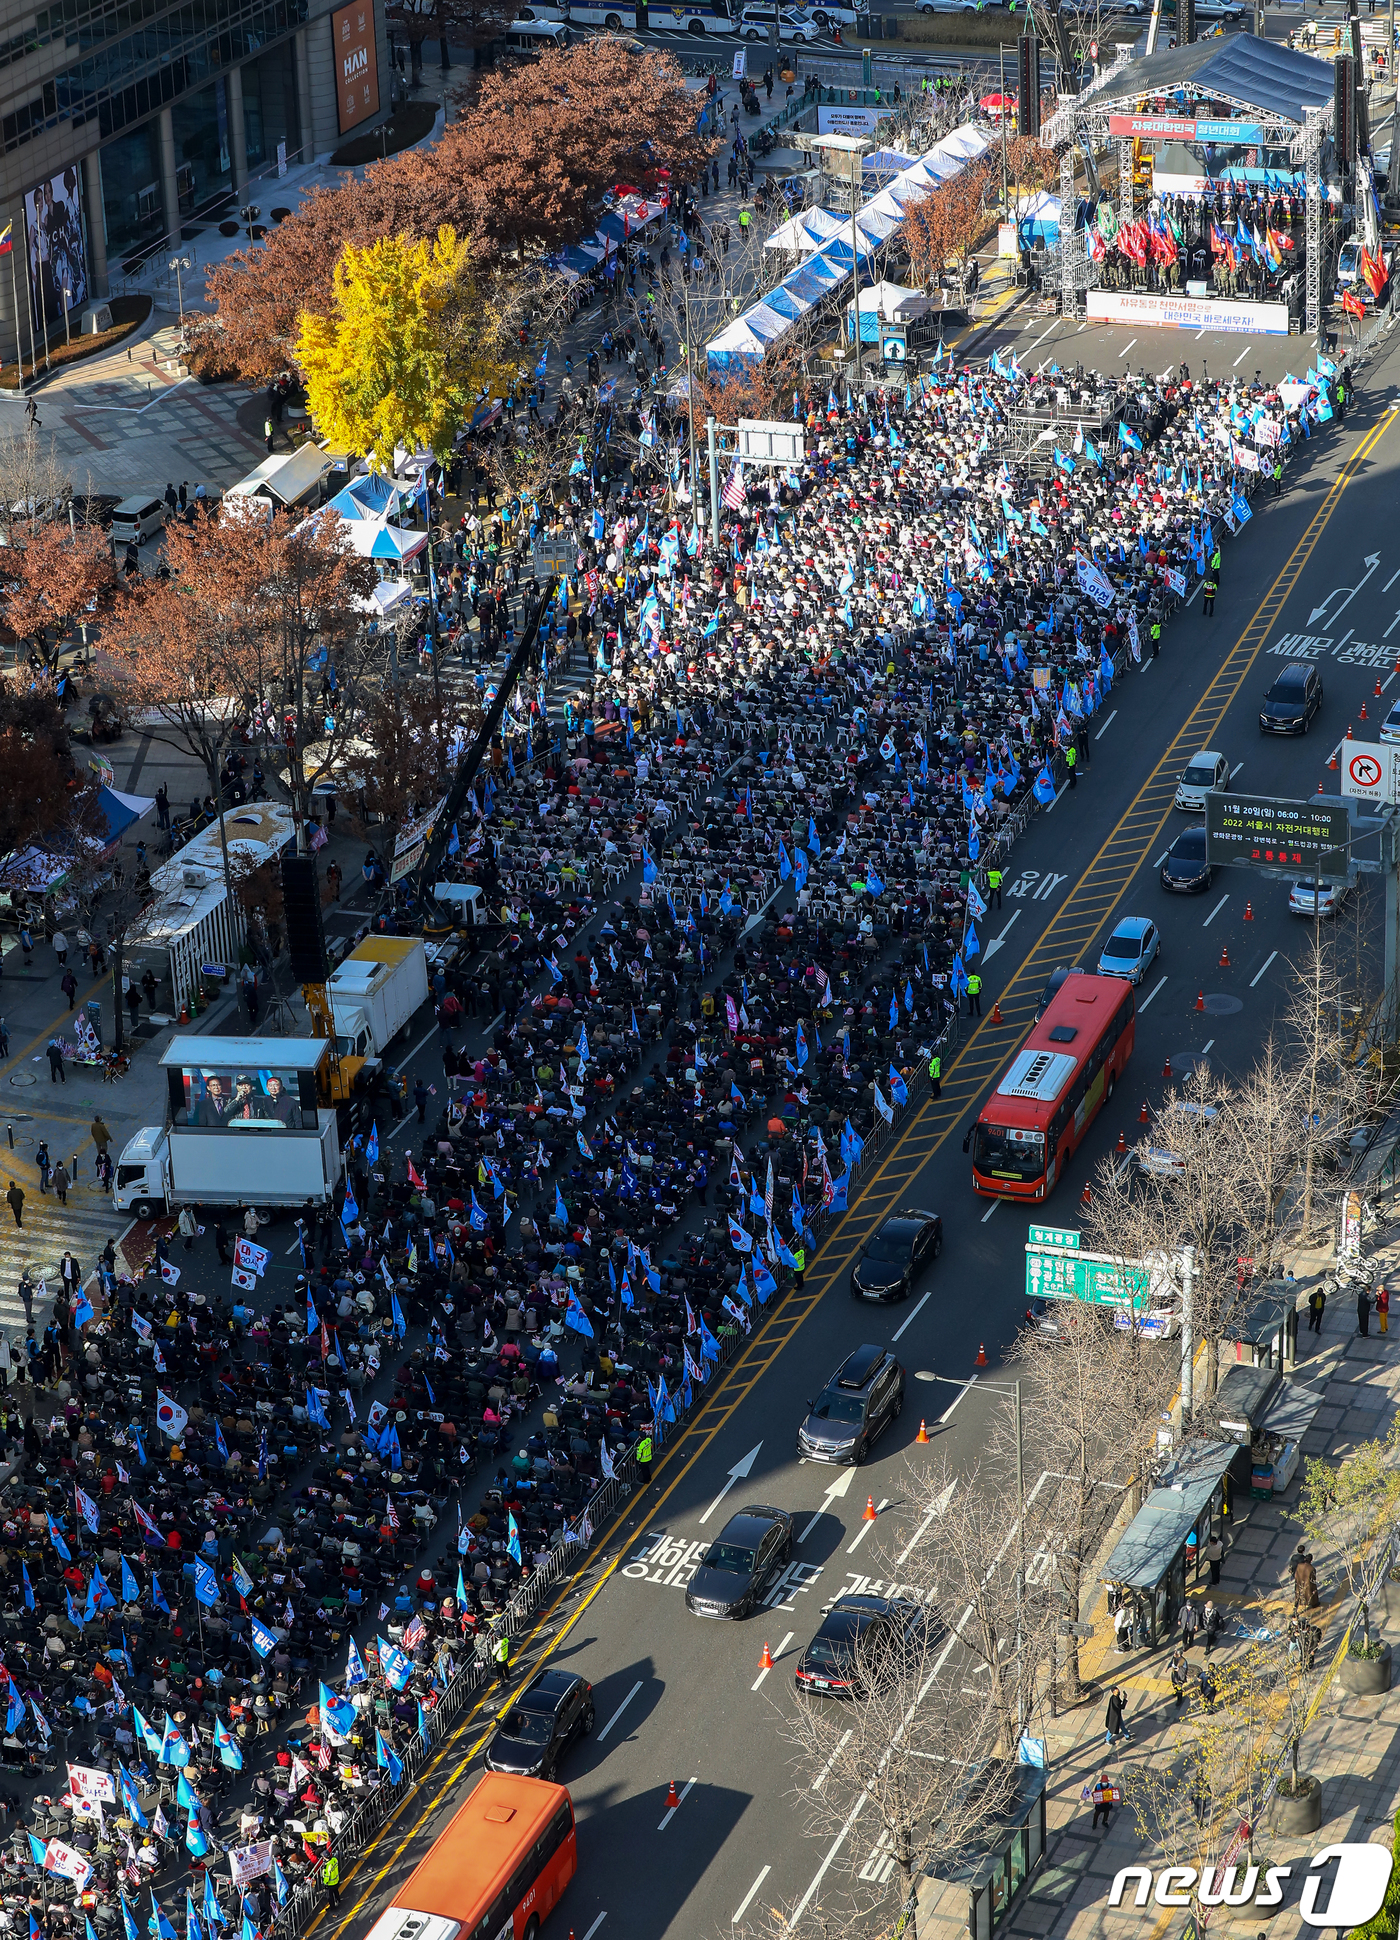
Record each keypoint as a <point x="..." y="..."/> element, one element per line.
<point x="356" y="52"/>
<point x="1160" y="310"/>
<point x="53" y="225"/>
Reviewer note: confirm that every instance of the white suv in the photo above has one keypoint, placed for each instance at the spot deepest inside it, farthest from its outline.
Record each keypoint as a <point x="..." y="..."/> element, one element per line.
<point x="755" y="23"/>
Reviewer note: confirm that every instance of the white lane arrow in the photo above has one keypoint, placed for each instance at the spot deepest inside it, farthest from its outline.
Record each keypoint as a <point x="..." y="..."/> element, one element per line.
<point x="990" y="949"/>
<point x="739" y="1470"/>
<point x="1373" y="559"/>
<point x="935" y="1509"/>
<point x="837" y="1489"/>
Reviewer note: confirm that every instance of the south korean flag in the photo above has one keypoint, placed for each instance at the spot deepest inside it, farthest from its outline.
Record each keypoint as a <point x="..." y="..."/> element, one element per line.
<point x="253" y="1259"/>
<point x="245" y="1279"/>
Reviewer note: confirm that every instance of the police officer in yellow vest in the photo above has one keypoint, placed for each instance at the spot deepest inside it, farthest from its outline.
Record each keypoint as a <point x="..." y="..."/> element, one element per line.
<point x="644" y="1458"/>
<point x="974" y="994"/>
<point x="500" y="1654"/>
<point x="1071" y="761"/>
<point x="330" y="1879"/>
<point x="935" y="1075"/>
<point x="994" y="882"/>
<point x="799" y="1263"/>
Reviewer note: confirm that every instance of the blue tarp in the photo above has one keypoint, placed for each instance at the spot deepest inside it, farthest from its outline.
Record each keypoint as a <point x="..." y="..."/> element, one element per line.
<point x="119" y="811"/>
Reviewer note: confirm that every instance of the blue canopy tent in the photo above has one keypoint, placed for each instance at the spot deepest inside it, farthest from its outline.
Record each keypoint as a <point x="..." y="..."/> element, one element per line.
<point x="119" y="811"/>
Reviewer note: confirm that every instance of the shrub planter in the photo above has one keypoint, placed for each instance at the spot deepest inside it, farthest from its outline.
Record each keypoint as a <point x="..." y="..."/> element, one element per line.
<point x="1295" y="1813"/>
<point x="1365" y="1676"/>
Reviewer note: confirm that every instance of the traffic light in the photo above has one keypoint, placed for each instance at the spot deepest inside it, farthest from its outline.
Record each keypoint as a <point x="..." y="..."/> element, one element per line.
<point x="1028" y="87"/>
<point x="1186" y="21"/>
<point x="1344" y="112"/>
<point x="301" y="909"/>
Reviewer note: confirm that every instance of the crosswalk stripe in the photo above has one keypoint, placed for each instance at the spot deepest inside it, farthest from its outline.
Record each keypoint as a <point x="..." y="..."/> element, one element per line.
<point x="82" y="1227"/>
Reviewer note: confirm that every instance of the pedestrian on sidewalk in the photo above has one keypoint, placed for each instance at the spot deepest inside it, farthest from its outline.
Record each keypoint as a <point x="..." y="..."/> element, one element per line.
<point x="162" y="807"/>
<point x="68" y="984"/>
<point x="188" y="1225"/>
<point x="56" y="1070"/>
<point x="101" y="1137"/>
<point x="1305" y="1596"/>
<point x="1383" y="1306"/>
<point x="1180" y="1675"/>
<point x="1317" y="1307"/>
<point x="1187" y="1621"/>
<point x="1103" y="1801"/>
<point x="60" y="948"/>
<point x="221" y="1240"/>
<point x="1205" y="1686"/>
<point x="44" y="1163"/>
<point x="1114" y="1727"/>
<point x="15" y="1195"/>
<point x="1210" y="1626"/>
<point x="1363" y="1311"/>
<point x="26" y="1285"/>
<point x="61" y="1182"/>
<point x="333" y="879"/>
<point x="1215" y="1556"/>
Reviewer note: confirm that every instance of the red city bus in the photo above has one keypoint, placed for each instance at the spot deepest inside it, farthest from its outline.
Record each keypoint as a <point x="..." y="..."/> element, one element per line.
<point x="1047" y="1099"/>
<point x="497" y="1870"/>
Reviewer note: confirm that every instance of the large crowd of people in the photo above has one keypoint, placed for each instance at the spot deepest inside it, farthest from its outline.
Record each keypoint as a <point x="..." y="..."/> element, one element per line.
<point x="739" y="896"/>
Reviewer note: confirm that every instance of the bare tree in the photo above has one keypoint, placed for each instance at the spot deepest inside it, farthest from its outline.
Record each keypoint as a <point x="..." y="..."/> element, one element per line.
<point x="921" y="1757"/>
<point x="1265" y="1123"/>
<point x="1321" y="1027"/>
<point x="1092" y="1397"/>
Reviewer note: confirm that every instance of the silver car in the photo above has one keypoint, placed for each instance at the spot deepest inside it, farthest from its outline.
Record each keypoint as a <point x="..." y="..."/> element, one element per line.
<point x="1205" y="771"/>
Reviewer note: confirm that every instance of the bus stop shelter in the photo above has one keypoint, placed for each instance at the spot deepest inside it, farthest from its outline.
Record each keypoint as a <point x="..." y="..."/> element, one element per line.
<point x="1148" y="1567"/>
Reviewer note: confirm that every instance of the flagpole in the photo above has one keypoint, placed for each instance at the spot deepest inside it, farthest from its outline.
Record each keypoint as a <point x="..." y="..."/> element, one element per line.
<point x="14" y="297"/>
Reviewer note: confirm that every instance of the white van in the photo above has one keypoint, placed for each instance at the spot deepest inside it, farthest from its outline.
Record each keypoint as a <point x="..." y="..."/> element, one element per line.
<point x="137" y="518"/>
<point x="534" y="36"/>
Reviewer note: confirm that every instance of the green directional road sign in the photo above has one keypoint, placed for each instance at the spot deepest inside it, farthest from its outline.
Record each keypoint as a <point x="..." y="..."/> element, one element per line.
<point x="1063" y="1238"/>
<point x="1083" y="1276"/>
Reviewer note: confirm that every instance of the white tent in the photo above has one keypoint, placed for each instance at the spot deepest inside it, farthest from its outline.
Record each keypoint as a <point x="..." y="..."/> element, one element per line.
<point x="806" y="231"/>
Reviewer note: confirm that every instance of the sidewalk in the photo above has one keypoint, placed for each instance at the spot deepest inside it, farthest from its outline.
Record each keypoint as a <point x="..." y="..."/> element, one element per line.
<point x="1352" y="1745"/>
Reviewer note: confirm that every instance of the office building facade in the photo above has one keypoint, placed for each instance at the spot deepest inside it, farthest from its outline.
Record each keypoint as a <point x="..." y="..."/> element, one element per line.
<point x="130" y="127"/>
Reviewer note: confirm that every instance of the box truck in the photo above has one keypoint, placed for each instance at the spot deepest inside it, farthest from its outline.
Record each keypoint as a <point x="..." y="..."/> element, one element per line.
<point x="375" y="991"/>
<point x="246" y="1128"/>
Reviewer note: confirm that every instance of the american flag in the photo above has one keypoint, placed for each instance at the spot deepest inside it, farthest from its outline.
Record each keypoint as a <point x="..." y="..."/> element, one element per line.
<point x="323" y="1756"/>
<point x="391" y="1514"/>
<point x="734" y="493"/>
<point x="414" y="1634"/>
<point x="129" y="1865"/>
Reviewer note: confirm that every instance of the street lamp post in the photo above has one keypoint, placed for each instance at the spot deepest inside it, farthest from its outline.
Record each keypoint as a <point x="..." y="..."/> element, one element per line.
<point x="179" y="263"/>
<point x="67" y="328"/>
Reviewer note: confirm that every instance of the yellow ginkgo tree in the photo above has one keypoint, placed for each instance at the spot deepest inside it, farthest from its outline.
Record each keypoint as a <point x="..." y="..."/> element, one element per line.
<point x="412" y="341"/>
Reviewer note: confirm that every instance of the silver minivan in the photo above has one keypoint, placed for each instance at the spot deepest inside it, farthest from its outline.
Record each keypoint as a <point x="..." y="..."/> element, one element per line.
<point x="137" y="518"/>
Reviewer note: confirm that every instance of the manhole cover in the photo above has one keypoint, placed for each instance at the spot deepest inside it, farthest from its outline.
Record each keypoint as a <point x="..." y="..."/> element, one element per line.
<point x="23" y="1078"/>
<point x="1218" y="1004"/>
<point x="1183" y="1063"/>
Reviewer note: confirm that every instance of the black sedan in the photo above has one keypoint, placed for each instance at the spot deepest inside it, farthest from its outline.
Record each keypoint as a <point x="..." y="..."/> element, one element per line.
<point x="1184" y="867"/>
<point x="896" y="1253"/>
<point x="547" y="1718"/>
<point x="1292" y="701"/>
<point x="742" y="1562"/>
<point x="863" y="1640"/>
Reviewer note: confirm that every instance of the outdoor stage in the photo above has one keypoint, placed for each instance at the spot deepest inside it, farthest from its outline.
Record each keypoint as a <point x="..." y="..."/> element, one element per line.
<point x="1157" y="309"/>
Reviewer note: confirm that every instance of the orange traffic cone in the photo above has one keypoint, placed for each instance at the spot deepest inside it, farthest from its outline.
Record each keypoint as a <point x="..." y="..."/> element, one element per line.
<point x="673" y="1797"/>
<point x="765" y="1662"/>
<point x="996" y="1012"/>
<point x="1349" y="736"/>
<point x="1167" y="1068"/>
<point x="1200" y="1000"/>
<point x="1122" y="1145"/>
<point x="981" y="1354"/>
<point x="1332" y="763"/>
<point x="1377" y="694"/>
<point x="1363" y="710"/>
<point x="1224" y="956"/>
<point x="1142" y="1115"/>
<point x="867" y="1514"/>
<point x="922" y="1435"/>
<point x="1086" y="1197"/>
<point x="184" y="1013"/>
<point x="1249" y="912"/>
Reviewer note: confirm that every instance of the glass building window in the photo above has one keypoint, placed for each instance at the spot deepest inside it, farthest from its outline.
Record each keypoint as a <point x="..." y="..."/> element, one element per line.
<point x="203" y="165"/>
<point x="131" y="191"/>
<point x="270" y="108"/>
